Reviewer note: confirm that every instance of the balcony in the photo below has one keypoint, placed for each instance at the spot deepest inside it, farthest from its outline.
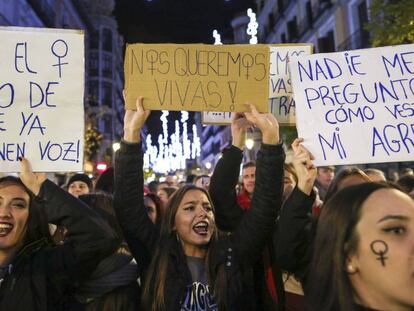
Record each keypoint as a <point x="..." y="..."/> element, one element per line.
<point x="358" y="40"/>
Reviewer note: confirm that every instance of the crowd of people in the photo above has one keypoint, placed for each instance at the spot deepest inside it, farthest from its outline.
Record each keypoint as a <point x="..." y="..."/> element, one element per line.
<point x="292" y="237"/>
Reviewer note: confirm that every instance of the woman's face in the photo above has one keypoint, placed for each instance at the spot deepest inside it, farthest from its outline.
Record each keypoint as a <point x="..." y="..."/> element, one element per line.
<point x="163" y="196"/>
<point x="14" y="212"/>
<point x="382" y="269"/>
<point x="151" y="209"/>
<point x="194" y="222"/>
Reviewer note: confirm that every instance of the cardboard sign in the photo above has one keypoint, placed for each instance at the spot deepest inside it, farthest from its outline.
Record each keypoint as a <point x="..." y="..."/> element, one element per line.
<point x="281" y="102"/>
<point x="197" y="77"/>
<point x="356" y="106"/>
<point x="41" y="98"/>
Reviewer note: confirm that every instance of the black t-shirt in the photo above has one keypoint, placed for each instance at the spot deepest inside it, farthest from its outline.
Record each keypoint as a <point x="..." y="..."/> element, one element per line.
<point x="198" y="296"/>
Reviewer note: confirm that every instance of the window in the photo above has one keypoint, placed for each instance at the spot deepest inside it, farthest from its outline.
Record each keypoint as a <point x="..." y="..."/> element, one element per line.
<point x="107" y="66"/>
<point x="107" y="40"/>
<point x="93" y="97"/>
<point x="107" y="94"/>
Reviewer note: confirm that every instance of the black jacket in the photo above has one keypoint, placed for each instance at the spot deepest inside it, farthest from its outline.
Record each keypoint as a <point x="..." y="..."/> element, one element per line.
<point x="41" y="275"/>
<point x="230" y="253"/>
<point x="229" y="215"/>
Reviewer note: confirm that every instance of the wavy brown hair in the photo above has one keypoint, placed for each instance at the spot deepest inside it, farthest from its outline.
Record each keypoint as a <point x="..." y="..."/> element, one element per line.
<point x="153" y="294"/>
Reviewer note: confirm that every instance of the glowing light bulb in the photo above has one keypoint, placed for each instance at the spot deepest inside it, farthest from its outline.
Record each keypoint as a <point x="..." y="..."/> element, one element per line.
<point x="217" y="37"/>
<point x="252" y="27"/>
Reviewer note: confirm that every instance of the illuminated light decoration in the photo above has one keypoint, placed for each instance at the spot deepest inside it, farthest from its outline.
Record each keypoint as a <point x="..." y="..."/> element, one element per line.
<point x="217" y="37"/>
<point x="208" y="165"/>
<point x="172" y="152"/>
<point x="252" y="27"/>
<point x="116" y="146"/>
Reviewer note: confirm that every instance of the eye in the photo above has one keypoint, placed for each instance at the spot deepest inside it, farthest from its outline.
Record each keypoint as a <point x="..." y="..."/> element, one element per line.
<point x="395" y="230"/>
<point x="189" y="208"/>
<point x="19" y="205"/>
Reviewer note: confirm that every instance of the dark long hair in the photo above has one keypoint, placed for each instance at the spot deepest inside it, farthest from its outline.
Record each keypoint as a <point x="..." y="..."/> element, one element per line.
<point x="154" y="288"/>
<point x="37" y="225"/>
<point x="328" y="286"/>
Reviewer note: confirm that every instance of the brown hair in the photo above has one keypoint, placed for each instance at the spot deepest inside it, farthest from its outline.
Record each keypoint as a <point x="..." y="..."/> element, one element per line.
<point x="346" y="172"/>
<point x="328" y="286"/>
<point x="157" y="271"/>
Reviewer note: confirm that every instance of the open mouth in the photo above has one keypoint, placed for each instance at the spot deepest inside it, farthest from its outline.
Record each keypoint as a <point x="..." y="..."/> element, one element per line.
<point x="5" y="229"/>
<point x="201" y="228"/>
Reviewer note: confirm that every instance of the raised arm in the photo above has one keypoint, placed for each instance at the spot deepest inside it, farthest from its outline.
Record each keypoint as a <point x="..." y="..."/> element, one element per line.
<point x="140" y="233"/>
<point x="294" y="238"/>
<point x="258" y="222"/>
<point x="89" y="237"/>
<point x="225" y="177"/>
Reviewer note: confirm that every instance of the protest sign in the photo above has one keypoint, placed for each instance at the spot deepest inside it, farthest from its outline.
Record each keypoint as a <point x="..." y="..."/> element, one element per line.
<point x="281" y="103"/>
<point x="356" y="106"/>
<point x="197" y="77"/>
<point x="41" y="98"/>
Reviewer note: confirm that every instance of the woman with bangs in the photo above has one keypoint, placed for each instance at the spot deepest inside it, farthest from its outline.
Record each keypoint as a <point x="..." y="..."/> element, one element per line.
<point x="193" y="266"/>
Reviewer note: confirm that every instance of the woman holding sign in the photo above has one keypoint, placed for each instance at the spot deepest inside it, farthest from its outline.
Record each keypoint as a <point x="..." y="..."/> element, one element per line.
<point x="192" y="266"/>
<point x="35" y="274"/>
<point x="363" y="255"/>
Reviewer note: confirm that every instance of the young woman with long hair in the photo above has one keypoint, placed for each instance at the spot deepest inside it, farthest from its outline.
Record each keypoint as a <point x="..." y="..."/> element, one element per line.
<point x="193" y="267"/>
<point x="363" y="256"/>
<point x="35" y="274"/>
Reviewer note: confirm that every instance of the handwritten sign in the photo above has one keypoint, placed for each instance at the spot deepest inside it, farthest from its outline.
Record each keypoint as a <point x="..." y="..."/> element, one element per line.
<point x="197" y="77"/>
<point x="281" y="102"/>
<point x="41" y="98"/>
<point x="356" y="106"/>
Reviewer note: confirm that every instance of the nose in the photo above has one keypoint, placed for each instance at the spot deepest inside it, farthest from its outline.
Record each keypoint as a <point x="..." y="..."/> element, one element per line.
<point x="4" y="211"/>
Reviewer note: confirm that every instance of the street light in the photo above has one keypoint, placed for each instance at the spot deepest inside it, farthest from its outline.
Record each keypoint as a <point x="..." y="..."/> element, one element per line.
<point x="249" y="143"/>
<point x="116" y="146"/>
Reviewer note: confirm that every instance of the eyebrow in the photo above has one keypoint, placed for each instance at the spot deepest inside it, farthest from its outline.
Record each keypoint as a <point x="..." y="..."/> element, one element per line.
<point x="393" y="217"/>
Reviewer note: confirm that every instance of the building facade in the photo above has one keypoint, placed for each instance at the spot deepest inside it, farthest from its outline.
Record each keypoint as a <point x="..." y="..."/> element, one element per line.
<point x="103" y="55"/>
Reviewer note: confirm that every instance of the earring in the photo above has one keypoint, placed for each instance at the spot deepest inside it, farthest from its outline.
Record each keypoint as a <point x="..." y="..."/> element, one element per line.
<point x="351" y="269"/>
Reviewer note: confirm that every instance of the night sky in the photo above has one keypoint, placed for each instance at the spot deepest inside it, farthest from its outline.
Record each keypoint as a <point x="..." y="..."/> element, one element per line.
<point x="176" y="21"/>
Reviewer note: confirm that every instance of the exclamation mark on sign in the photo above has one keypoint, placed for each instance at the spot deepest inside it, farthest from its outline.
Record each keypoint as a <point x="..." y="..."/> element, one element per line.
<point x="232" y="88"/>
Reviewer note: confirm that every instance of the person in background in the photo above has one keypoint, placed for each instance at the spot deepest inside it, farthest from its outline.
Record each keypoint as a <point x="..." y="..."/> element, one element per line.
<point x="375" y="175"/>
<point x="202" y="181"/>
<point x="113" y="285"/>
<point x="289" y="180"/>
<point x="407" y="171"/>
<point x="324" y="178"/>
<point x="363" y="251"/>
<point x="346" y="177"/>
<point x="162" y="185"/>
<point x="153" y="186"/>
<point x="105" y="181"/>
<point x="35" y="274"/>
<point x="248" y="181"/>
<point x="407" y="184"/>
<point x="165" y="193"/>
<point x="79" y="184"/>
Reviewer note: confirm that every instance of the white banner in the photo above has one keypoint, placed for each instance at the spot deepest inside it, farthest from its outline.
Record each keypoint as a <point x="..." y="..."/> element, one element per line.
<point x="41" y="98"/>
<point x="356" y="106"/>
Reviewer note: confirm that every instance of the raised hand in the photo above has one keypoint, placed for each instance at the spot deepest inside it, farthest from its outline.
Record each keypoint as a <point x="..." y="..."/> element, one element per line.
<point x="33" y="181"/>
<point x="305" y="170"/>
<point x="266" y="122"/>
<point x="134" y="120"/>
<point x="239" y="124"/>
